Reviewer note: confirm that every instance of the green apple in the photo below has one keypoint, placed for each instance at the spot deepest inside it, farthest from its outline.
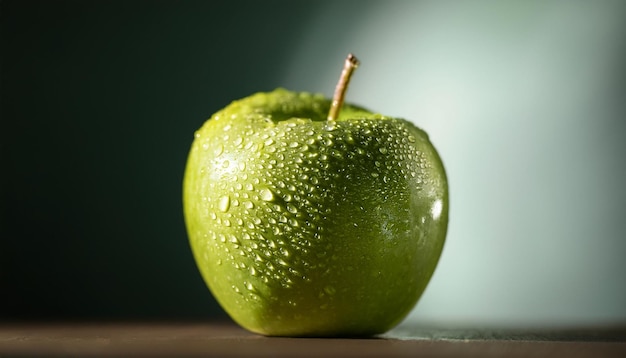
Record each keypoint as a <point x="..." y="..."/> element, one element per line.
<point x="308" y="217"/>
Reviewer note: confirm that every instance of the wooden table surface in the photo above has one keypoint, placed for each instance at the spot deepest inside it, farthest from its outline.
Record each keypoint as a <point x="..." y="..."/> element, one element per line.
<point x="228" y="340"/>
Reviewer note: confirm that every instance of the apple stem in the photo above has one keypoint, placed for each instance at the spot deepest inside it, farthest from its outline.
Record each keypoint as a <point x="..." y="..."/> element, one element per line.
<point x="349" y="66"/>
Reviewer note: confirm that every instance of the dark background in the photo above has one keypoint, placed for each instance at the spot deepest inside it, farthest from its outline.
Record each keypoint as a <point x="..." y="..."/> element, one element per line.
<point x="99" y="103"/>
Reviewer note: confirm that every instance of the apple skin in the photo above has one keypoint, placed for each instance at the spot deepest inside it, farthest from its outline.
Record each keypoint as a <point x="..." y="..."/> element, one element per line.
<point x="303" y="227"/>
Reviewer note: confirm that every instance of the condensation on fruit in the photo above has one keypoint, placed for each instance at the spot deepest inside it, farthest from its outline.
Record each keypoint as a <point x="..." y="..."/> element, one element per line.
<point x="266" y="194"/>
<point x="267" y="226"/>
<point x="224" y="203"/>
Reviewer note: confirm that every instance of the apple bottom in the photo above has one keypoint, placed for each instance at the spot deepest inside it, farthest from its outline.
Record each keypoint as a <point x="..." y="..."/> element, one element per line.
<point x="355" y="290"/>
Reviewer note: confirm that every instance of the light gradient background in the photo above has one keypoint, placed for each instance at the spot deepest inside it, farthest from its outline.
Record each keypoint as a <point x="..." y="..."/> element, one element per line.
<point x="525" y="101"/>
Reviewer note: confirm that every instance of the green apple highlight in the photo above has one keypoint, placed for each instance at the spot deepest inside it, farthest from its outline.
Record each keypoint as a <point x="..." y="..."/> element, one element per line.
<point x="305" y="223"/>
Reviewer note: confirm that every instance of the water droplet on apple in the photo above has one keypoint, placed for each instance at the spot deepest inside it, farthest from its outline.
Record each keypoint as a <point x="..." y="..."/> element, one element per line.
<point x="436" y="209"/>
<point x="219" y="149"/>
<point x="330" y="125"/>
<point x="224" y="203"/>
<point x="266" y="195"/>
<point x="292" y="208"/>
